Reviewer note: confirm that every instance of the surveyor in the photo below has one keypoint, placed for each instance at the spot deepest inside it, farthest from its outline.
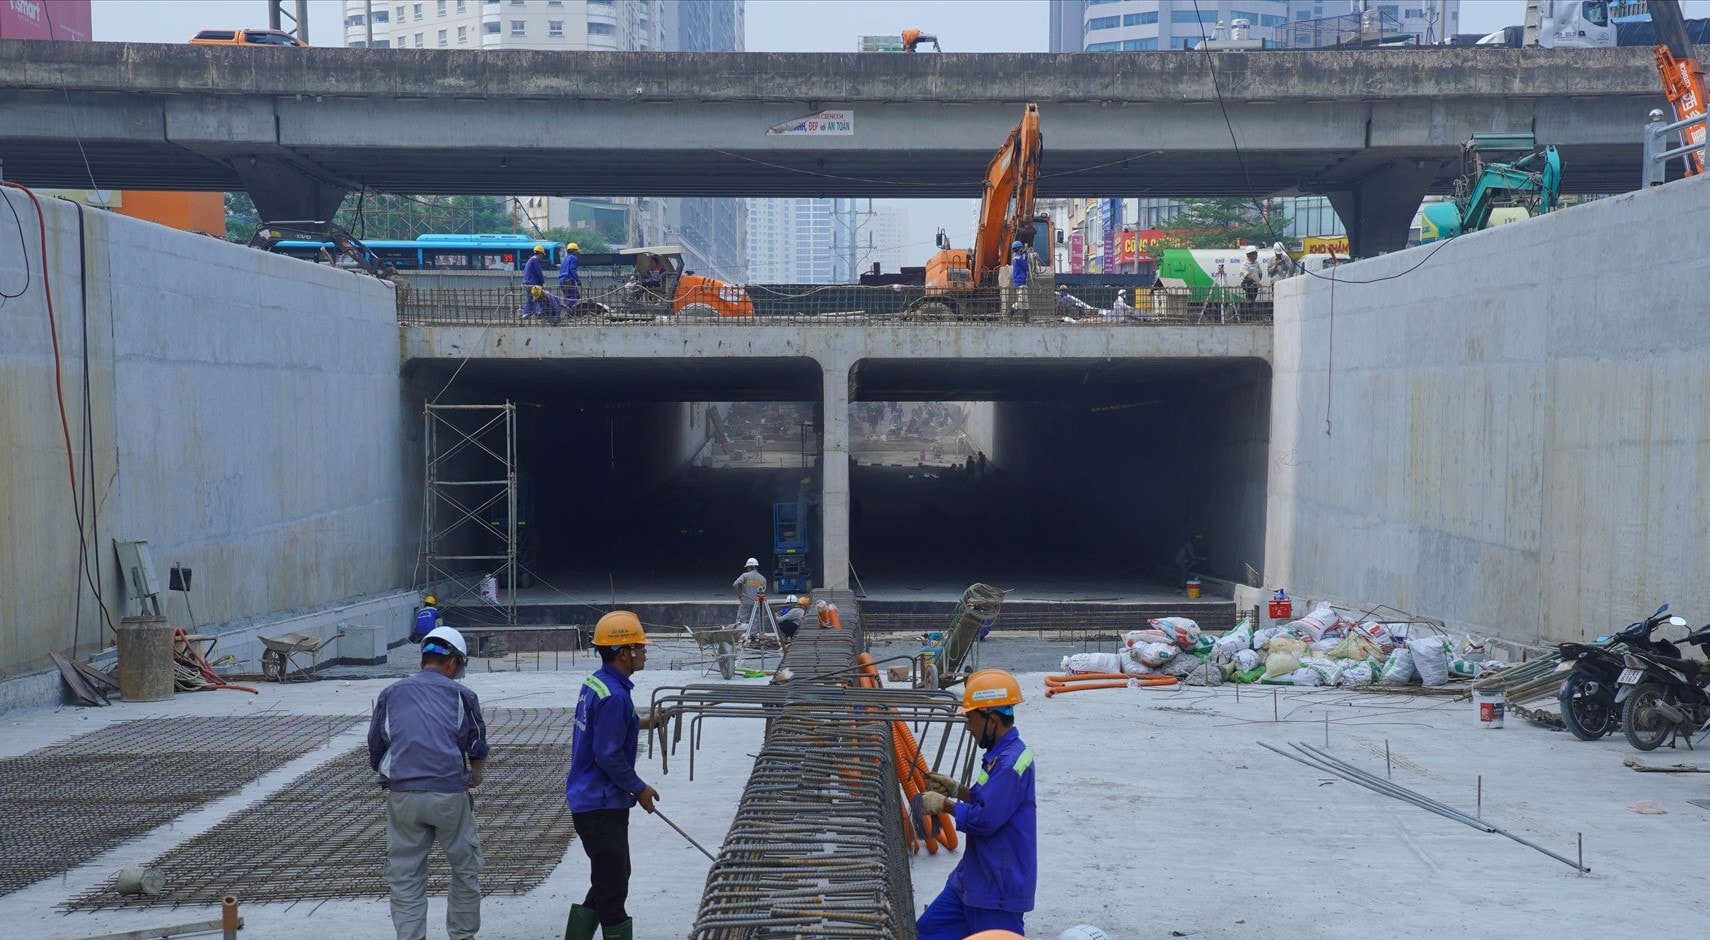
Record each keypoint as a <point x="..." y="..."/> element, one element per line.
<point x="428" y="742"/>
<point x="427" y="618"/>
<point x="749" y="585"/>
<point x="602" y="784"/>
<point x="993" y="885"/>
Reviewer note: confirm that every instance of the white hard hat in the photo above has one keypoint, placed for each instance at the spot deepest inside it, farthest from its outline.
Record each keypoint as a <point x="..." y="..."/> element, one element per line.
<point x="790" y="600"/>
<point x="447" y="636"/>
<point x="1083" y="932"/>
<point x="752" y="562"/>
<point x="1277" y="248"/>
<point x="1250" y="250"/>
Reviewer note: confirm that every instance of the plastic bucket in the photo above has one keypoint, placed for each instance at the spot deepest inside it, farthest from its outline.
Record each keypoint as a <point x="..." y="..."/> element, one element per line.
<point x="1282" y="610"/>
<point x="1489" y="708"/>
<point x="1193" y="587"/>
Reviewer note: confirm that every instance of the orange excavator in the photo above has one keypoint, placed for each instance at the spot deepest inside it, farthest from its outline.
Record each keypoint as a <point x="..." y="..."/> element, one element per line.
<point x="963" y="281"/>
<point x="1682" y="75"/>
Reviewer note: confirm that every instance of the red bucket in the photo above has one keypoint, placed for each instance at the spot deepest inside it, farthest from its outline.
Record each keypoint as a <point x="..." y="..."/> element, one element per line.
<point x="1282" y="610"/>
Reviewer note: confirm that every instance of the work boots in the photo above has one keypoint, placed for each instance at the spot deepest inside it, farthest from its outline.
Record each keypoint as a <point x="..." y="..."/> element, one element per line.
<point x="623" y="931"/>
<point x="582" y="923"/>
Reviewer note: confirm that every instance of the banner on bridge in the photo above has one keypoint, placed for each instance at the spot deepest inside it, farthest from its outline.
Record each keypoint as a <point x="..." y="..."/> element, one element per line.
<point x="823" y="124"/>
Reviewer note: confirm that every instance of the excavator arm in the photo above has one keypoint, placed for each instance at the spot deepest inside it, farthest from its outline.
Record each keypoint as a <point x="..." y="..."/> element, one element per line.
<point x="1007" y="208"/>
<point x="1682" y="75"/>
<point x="1540" y="173"/>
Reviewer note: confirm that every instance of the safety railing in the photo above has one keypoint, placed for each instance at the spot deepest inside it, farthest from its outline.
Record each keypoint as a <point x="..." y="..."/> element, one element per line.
<point x="1657" y="149"/>
<point x="833" y="305"/>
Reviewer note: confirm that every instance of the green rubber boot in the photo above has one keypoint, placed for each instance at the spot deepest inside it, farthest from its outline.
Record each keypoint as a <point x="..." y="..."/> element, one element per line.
<point x="623" y="931"/>
<point x="582" y="923"/>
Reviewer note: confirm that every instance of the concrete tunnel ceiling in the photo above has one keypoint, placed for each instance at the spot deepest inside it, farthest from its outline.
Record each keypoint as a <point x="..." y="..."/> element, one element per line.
<point x="1102" y="466"/>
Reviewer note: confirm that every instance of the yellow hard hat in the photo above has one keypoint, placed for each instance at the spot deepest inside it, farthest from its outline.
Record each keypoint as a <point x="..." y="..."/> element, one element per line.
<point x="431" y="600"/>
<point x="572" y="247"/>
<point x="990" y="688"/>
<point x="540" y="249"/>
<point x="619" y="628"/>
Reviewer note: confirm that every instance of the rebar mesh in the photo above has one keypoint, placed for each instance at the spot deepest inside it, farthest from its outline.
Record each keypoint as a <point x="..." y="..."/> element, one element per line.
<point x="1064" y="620"/>
<point x="67" y="803"/>
<point x="324" y="834"/>
<point x="845" y="305"/>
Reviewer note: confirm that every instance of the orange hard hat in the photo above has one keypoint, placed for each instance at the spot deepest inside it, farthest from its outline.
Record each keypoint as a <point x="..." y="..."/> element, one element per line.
<point x="990" y="688"/>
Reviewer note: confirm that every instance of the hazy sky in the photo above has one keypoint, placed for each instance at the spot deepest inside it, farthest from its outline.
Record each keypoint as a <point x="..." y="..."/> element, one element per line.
<point x="773" y="26"/>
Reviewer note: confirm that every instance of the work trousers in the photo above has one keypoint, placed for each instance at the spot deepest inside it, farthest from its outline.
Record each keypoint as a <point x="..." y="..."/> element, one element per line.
<point x="604" y="834"/>
<point x="414" y="820"/>
<point x="947" y="918"/>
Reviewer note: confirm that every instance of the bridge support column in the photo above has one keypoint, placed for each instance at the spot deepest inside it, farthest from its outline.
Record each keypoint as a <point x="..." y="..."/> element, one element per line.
<point x="283" y="193"/>
<point x="834" y="475"/>
<point x="1379" y="209"/>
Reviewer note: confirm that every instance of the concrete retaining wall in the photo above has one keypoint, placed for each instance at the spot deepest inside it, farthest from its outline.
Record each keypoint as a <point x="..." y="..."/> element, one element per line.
<point x="1509" y="435"/>
<point x="243" y="416"/>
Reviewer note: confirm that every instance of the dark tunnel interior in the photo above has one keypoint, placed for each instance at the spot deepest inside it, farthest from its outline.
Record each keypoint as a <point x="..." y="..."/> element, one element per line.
<point x="627" y="481"/>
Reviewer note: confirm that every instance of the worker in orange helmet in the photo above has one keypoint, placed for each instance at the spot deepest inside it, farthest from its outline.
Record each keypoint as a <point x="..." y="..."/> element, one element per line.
<point x="993" y="885"/>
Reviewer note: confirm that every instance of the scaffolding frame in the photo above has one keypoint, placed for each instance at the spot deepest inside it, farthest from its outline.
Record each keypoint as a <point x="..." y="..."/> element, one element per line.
<point x="471" y="472"/>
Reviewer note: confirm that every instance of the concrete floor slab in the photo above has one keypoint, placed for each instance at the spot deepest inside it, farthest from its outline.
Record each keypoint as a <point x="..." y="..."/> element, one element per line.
<point x="1158" y="813"/>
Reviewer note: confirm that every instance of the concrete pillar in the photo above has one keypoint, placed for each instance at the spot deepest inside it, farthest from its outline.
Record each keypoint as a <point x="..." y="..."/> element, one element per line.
<point x="834" y="475"/>
<point x="283" y="193"/>
<point x="1379" y="209"/>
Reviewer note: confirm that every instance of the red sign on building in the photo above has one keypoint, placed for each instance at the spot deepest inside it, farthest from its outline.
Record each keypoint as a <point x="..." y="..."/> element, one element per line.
<point x="46" y="19"/>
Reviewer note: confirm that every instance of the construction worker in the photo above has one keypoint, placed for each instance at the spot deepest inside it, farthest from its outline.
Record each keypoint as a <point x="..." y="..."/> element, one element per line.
<point x="914" y="37"/>
<point x="539" y="302"/>
<point x="790" y="617"/>
<point x="749" y="585"/>
<point x="602" y="784"/>
<point x="427" y="618"/>
<point x="1018" y="264"/>
<point x="1186" y="557"/>
<point x="570" y="277"/>
<point x="1252" y="277"/>
<point x="428" y="742"/>
<point x="993" y="885"/>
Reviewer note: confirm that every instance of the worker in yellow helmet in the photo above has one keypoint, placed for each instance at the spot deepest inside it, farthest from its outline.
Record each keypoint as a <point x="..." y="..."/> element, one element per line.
<point x="602" y="784"/>
<point x="993" y="885"/>
<point x="539" y="302"/>
<point x="570" y="277"/>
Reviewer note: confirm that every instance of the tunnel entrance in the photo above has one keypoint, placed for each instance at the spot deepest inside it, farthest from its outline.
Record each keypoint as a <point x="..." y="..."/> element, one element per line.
<point x="647" y="479"/>
<point x="1096" y="472"/>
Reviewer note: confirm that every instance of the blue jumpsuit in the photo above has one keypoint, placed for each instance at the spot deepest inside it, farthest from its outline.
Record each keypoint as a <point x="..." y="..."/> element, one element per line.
<point x="570" y="279"/>
<point x="993" y="885"/>
<point x="534" y="275"/>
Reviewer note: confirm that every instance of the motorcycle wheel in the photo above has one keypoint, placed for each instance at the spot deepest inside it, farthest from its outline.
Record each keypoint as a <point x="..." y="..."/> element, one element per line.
<point x="1588" y="713"/>
<point x="1645" y="726"/>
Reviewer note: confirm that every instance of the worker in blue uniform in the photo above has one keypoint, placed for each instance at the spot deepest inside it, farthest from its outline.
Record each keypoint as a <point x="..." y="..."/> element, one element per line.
<point x="539" y="303"/>
<point x="993" y="885"/>
<point x="602" y="784"/>
<point x="1018" y="264"/>
<point x="427" y="618"/>
<point x="570" y="276"/>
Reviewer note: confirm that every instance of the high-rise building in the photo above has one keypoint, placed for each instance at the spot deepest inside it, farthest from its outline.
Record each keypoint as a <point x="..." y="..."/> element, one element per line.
<point x="1162" y="25"/>
<point x="709" y="230"/>
<point x="797" y="241"/>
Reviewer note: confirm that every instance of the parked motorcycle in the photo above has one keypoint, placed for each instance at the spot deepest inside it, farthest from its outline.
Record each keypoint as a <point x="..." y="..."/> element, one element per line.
<point x="1587" y="693"/>
<point x="1663" y="697"/>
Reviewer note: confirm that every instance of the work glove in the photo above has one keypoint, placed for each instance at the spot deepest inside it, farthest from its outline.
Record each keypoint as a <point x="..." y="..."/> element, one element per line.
<point x="942" y="783"/>
<point x="932" y="803"/>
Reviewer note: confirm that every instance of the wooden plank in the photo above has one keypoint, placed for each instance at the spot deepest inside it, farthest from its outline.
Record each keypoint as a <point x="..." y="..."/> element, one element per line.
<point x="162" y="933"/>
<point x="79" y="687"/>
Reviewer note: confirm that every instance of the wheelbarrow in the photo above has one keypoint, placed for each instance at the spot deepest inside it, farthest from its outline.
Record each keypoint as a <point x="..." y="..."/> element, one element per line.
<point x="277" y="661"/>
<point x="721" y="642"/>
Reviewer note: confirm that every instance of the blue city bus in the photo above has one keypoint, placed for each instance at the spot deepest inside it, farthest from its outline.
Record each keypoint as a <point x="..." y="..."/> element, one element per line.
<point x="437" y="252"/>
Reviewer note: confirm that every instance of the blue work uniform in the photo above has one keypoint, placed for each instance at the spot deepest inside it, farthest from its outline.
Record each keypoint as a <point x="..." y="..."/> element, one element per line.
<point x="570" y="279"/>
<point x="534" y="275"/>
<point x="602" y="758"/>
<point x="426" y="620"/>
<point x="1018" y="269"/>
<point x="993" y="885"/>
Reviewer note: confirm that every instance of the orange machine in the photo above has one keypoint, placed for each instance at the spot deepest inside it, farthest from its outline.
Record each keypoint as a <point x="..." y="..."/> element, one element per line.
<point x="1682" y="75"/>
<point x="1007" y="215"/>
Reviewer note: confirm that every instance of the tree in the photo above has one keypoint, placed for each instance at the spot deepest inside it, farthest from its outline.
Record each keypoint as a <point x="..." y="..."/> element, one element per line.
<point x="1224" y="223"/>
<point x="241" y="218"/>
<point x="385" y="216"/>
<point x="589" y="241"/>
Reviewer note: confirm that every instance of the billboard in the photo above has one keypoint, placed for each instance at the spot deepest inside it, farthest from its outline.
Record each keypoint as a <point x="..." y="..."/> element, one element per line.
<point x="46" y="19"/>
<point x="1077" y="252"/>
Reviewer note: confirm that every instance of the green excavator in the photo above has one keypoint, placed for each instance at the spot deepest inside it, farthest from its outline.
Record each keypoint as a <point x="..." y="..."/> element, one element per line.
<point x="1490" y="193"/>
